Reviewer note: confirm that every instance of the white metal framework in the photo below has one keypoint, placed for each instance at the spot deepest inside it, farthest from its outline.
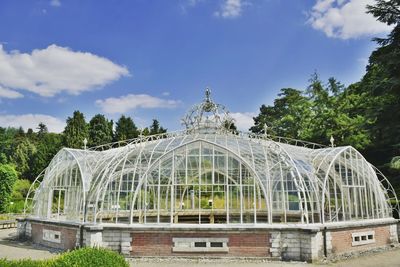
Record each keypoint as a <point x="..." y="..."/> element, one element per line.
<point x="206" y="174"/>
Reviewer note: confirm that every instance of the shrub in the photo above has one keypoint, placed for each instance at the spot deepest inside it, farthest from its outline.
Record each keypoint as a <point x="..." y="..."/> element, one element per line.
<point x="86" y="257"/>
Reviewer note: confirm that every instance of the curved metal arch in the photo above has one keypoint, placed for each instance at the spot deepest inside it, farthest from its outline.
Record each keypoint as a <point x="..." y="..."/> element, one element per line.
<point x="100" y="188"/>
<point x="48" y="175"/>
<point x="104" y="181"/>
<point x="238" y="157"/>
<point x="391" y="189"/>
<point x="343" y="149"/>
<point x="301" y="180"/>
<point x="370" y="180"/>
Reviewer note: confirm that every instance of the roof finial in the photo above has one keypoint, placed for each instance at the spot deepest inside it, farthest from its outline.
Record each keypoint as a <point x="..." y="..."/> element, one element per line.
<point x="332" y="140"/>
<point x="208" y="104"/>
<point x="208" y="95"/>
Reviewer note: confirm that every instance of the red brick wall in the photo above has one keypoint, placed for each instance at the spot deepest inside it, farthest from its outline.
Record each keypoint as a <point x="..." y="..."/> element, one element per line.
<point x="240" y="244"/>
<point x="68" y="236"/>
<point x="342" y="239"/>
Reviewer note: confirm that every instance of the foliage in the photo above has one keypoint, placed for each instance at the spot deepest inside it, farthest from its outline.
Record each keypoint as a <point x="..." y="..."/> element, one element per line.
<point x="99" y="257"/>
<point x="75" y="131"/>
<point x="19" y="193"/>
<point x="395" y="163"/>
<point x="23" y="155"/>
<point x="26" y="263"/>
<point x="8" y="177"/>
<point x="100" y="130"/>
<point x="83" y="257"/>
<point x="48" y="144"/>
<point x="125" y="129"/>
<point x="155" y="128"/>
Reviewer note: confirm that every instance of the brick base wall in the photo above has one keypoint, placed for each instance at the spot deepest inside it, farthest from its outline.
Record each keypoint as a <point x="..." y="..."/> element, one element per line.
<point x="305" y="244"/>
<point x="240" y="244"/>
<point x="67" y="235"/>
<point x="341" y="239"/>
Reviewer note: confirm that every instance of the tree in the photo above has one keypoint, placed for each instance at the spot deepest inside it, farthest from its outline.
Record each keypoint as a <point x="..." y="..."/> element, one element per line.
<point x="382" y="84"/>
<point x="288" y="116"/>
<point x="75" y="131"/>
<point x="47" y="148"/>
<point x="230" y="126"/>
<point x="155" y="128"/>
<point x="100" y="131"/>
<point x="42" y="129"/>
<point x="8" y="176"/>
<point x="144" y="132"/>
<point x="125" y="129"/>
<point x="315" y="114"/>
<point x="24" y="153"/>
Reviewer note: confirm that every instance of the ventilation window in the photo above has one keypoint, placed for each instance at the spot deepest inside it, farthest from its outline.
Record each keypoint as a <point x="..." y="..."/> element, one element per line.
<point x="208" y="244"/>
<point x="216" y="244"/>
<point x="51" y="236"/>
<point x="200" y="244"/>
<point x="363" y="238"/>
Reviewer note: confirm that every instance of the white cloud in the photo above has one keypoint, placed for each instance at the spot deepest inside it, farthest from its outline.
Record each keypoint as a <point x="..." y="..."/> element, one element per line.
<point x="243" y="121"/>
<point x="7" y="93"/>
<point x="345" y="19"/>
<point x="27" y="121"/>
<point x="230" y="9"/>
<point x="56" y="69"/>
<point x="55" y="3"/>
<point x="129" y="102"/>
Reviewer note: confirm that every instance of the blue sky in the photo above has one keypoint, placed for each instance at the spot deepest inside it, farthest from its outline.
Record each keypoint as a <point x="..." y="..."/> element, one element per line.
<point x="153" y="59"/>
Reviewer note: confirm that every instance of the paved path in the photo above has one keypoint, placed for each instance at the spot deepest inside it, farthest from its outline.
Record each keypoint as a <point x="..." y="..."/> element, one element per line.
<point x="12" y="249"/>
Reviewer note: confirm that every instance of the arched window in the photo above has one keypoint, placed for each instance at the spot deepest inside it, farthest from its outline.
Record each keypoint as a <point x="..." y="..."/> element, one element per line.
<point x="200" y="183"/>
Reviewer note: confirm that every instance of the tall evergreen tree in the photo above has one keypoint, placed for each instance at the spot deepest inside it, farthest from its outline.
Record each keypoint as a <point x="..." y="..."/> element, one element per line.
<point x="75" y="131"/>
<point x="42" y="129"/>
<point x="155" y="128"/>
<point x="100" y="131"/>
<point x="125" y="129"/>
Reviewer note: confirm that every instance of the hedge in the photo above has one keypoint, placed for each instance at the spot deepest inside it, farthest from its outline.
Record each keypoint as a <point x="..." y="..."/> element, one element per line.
<point x="84" y="257"/>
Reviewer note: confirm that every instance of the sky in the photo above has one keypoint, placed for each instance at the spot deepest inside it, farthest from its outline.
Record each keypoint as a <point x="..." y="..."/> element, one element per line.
<point x="154" y="59"/>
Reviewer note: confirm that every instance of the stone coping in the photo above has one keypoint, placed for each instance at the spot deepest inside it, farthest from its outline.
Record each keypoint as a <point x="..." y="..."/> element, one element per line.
<point x="218" y="227"/>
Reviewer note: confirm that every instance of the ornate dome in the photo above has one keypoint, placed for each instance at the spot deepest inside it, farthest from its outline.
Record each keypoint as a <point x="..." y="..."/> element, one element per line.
<point x="207" y="116"/>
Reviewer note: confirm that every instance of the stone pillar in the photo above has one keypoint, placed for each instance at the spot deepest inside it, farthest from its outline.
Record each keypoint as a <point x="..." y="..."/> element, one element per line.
<point x="93" y="236"/>
<point x="276" y="246"/>
<point x="394" y="237"/>
<point x="295" y="245"/>
<point x="117" y="240"/>
<point x="24" y="229"/>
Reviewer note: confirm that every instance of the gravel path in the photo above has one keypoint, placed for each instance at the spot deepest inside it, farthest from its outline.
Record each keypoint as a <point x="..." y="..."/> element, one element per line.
<point x="11" y="249"/>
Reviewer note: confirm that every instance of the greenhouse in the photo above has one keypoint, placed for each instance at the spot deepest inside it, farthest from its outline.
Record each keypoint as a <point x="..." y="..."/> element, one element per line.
<point x="210" y="177"/>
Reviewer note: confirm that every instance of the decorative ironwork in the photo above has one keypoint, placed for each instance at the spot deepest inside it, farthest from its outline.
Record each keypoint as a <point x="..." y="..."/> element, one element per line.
<point x="205" y="174"/>
<point x="208" y="116"/>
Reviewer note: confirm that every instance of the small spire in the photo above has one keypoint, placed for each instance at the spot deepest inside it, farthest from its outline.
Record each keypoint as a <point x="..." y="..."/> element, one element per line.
<point x="208" y="105"/>
<point x="332" y="140"/>
<point x="84" y="143"/>
<point x="208" y="95"/>
<point x="265" y="129"/>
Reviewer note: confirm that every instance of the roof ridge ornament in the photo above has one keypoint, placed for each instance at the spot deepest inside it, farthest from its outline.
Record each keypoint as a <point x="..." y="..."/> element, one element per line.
<point x="208" y="105"/>
<point x="207" y="116"/>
